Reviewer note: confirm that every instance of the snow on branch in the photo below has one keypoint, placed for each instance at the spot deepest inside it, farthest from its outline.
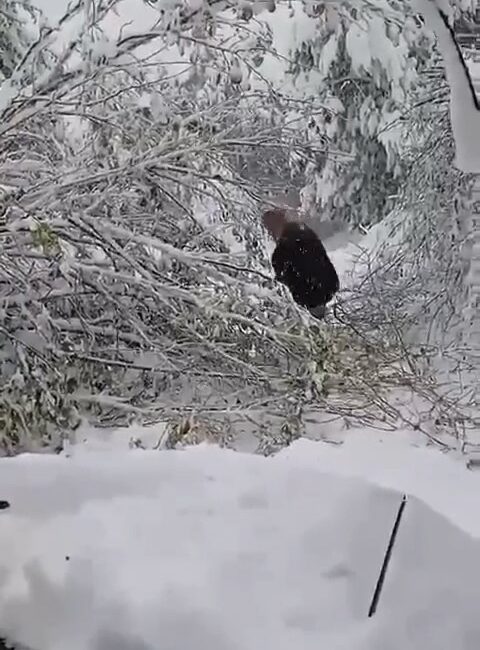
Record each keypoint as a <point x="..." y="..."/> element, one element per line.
<point x="134" y="278"/>
<point x="133" y="261"/>
<point x="464" y="106"/>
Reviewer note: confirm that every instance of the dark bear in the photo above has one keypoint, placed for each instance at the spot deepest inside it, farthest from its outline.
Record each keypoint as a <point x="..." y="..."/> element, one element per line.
<point x="301" y="263"/>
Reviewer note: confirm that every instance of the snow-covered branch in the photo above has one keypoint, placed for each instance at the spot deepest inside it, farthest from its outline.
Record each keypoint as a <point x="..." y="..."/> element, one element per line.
<point x="464" y="106"/>
<point x="133" y="261"/>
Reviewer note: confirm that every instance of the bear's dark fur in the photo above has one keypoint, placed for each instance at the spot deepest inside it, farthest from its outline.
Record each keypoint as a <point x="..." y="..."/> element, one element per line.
<point x="300" y="261"/>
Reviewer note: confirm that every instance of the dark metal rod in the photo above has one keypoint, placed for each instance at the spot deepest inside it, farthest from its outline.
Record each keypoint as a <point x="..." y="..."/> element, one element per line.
<point x="386" y="559"/>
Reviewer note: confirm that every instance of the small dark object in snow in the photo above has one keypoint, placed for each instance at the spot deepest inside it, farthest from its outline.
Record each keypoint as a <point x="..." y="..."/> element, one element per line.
<point x="386" y="558"/>
<point x="4" y="505"/>
<point x="301" y="262"/>
<point x="67" y="557"/>
<point x="473" y="463"/>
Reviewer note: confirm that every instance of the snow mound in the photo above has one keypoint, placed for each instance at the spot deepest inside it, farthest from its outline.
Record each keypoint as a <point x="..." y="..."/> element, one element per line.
<point x="208" y="549"/>
<point x="350" y="252"/>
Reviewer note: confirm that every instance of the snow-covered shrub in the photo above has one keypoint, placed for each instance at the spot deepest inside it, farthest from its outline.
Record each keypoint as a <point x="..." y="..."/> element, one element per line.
<point x="409" y="297"/>
<point x="134" y="280"/>
<point x="134" y="275"/>
<point x="410" y="290"/>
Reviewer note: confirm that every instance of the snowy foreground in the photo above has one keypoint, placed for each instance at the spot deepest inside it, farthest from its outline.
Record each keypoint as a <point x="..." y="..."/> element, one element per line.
<point x="207" y="549"/>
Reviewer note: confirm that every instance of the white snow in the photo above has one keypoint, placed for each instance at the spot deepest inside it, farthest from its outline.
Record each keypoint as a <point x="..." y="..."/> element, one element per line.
<point x="367" y="42"/>
<point x="350" y="252"/>
<point x="7" y="93"/>
<point x="208" y="549"/>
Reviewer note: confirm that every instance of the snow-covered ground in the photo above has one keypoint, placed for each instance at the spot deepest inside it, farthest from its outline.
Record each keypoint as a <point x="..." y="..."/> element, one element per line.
<point x="208" y="549"/>
<point x="346" y="249"/>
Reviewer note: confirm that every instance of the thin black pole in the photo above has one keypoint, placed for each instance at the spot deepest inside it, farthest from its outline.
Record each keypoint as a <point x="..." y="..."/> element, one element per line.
<point x="3" y="643"/>
<point x="386" y="559"/>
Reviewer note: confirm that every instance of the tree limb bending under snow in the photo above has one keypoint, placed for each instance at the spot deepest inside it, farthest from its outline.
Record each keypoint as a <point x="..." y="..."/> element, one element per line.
<point x="464" y="105"/>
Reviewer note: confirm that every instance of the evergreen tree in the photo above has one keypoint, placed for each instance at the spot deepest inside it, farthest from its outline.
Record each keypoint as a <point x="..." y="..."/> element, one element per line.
<point x="369" y="57"/>
<point x="14" y="36"/>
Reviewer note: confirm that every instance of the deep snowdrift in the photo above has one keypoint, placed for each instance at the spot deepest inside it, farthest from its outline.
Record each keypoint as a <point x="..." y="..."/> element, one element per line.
<point x="205" y="549"/>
